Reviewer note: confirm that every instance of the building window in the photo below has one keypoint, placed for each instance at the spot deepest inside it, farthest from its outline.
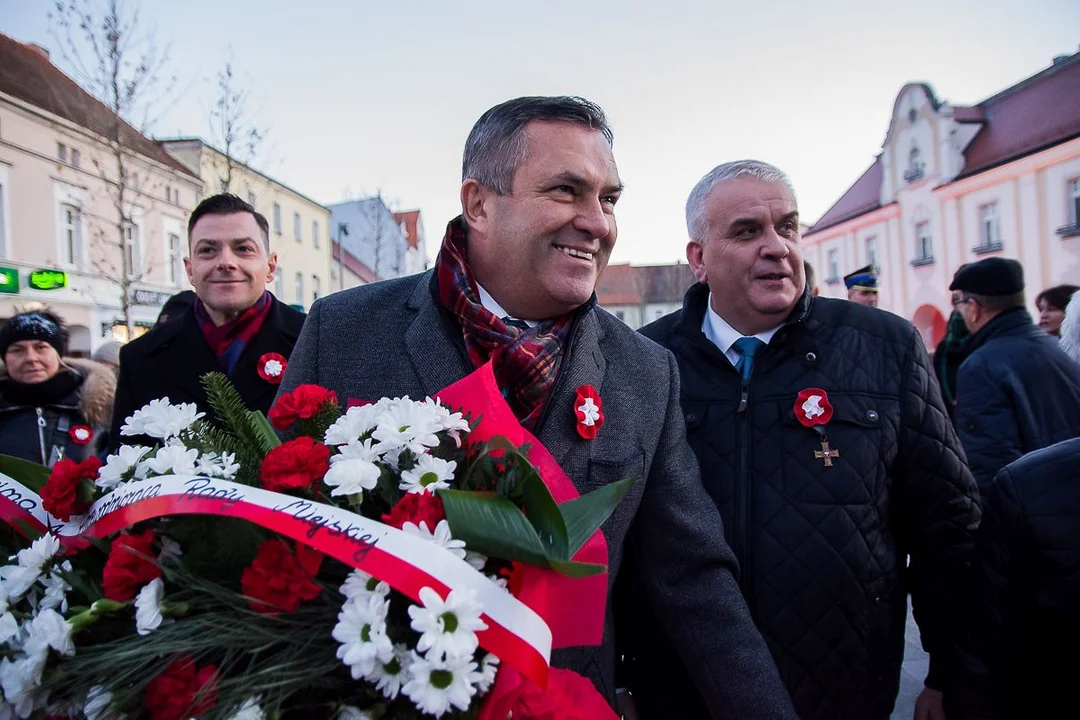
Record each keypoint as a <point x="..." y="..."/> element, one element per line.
<point x="168" y="194"/>
<point x="871" y="251"/>
<point x="251" y="198"/>
<point x="296" y="227"/>
<point x="131" y="250"/>
<point x="316" y="288"/>
<point x="989" y="229"/>
<point x="924" y="244"/>
<point x="300" y="288"/>
<point x="833" y="265"/>
<point x="315" y="233"/>
<point x="175" y="259"/>
<point x="621" y="315"/>
<point x="61" y="152"/>
<point x="76" y="158"/>
<point x="277" y="218"/>
<point x="915" y="165"/>
<point x="71" y="235"/>
<point x="279" y="283"/>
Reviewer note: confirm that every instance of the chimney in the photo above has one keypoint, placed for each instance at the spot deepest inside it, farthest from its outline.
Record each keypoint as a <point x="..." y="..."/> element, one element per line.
<point x="39" y="49"/>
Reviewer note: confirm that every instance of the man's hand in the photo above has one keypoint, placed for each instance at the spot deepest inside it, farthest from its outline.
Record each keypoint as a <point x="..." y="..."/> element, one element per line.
<point x="928" y="705"/>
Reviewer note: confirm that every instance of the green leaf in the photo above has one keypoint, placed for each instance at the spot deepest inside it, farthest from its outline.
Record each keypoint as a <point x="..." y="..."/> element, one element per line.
<point x="583" y="515"/>
<point x="543" y="513"/>
<point x="577" y="569"/>
<point x="30" y="474"/>
<point x="492" y="525"/>
<point x="264" y="431"/>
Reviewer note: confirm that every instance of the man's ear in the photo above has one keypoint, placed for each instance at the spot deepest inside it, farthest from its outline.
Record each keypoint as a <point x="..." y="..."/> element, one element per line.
<point x="695" y="255"/>
<point x="476" y="202"/>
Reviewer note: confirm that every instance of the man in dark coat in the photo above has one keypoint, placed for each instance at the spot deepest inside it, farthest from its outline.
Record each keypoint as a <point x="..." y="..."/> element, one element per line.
<point x="234" y="325"/>
<point x="823" y="440"/>
<point x="514" y="284"/>
<point x="1023" y="616"/>
<point x="1017" y="391"/>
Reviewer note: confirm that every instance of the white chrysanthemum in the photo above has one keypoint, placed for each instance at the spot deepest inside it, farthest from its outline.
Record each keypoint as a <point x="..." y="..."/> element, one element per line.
<point x="148" y="617"/>
<point x="20" y="681"/>
<point x="98" y="705"/>
<point x="489" y="668"/>
<point x="116" y="466"/>
<point x="16" y="580"/>
<point x="448" y="627"/>
<point x="250" y="710"/>
<point x="428" y="475"/>
<point x="389" y="676"/>
<point x="49" y="629"/>
<point x="434" y="685"/>
<point x="229" y="467"/>
<point x="160" y="419"/>
<point x="357" y="422"/>
<point x="352" y="713"/>
<point x="361" y="630"/>
<point x="56" y="589"/>
<point x="447" y="421"/>
<point x="174" y="460"/>
<point x="441" y="536"/>
<point x="9" y="627"/>
<point x="353" y="470"/>
<point x="406" y="425"/>
<point x="360" y="585"/>
<point x="170" y="550"/>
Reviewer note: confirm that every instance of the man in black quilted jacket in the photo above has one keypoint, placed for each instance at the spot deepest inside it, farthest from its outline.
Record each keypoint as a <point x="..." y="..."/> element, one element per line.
<point x="823" y="440"/>
<point x="1017" y="391"/>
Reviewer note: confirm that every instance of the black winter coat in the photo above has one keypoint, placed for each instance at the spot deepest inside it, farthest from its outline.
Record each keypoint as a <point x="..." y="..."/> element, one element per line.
<point x="170" y="360"/>
<point x="822" y="548"/>
<point x="1020" y="655"/>
<point x="1017" y="392"/>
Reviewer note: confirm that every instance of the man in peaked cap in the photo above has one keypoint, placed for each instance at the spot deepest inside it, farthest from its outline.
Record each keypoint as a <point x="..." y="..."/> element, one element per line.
<point x="862" y="286"/>
<point x="1017" y="391"/>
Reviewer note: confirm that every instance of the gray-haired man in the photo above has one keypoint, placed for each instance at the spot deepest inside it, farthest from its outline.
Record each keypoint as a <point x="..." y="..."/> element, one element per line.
<point x="823" y="440"/>
<point x="514" y="283"/>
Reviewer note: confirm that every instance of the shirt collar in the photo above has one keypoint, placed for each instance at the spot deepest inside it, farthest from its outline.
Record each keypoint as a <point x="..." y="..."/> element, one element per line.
<point x="493" y="307"/>
<point x="722" y="335"/>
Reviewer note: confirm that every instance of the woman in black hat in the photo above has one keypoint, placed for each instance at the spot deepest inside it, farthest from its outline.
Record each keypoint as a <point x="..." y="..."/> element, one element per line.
<point x="51" y="407"/>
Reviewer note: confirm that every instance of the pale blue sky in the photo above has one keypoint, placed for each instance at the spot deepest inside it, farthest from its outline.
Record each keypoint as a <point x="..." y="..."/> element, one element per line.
<point x="363" y="95"/>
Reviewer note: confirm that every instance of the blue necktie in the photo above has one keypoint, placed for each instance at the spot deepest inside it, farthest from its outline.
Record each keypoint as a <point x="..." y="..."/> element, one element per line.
<point x="747" y="347"/>
<point x="515" y="323"/>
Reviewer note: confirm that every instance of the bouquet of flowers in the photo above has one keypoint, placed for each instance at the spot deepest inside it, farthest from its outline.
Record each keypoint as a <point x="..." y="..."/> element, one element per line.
<point x="375" y="564"/>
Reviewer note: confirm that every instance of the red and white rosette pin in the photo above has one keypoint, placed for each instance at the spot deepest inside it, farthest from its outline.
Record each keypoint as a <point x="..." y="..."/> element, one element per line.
<point x="81" y="434"/>
<point x="812" y="407"/>
<point x="272" y="367"/>
<point x="589" y="411"/>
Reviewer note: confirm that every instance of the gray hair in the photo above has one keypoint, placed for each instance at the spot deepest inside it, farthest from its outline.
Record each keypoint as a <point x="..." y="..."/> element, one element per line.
<point x="496" y="145"/>
<point x="696" y="222"/>
<point x="1070" y="328"/>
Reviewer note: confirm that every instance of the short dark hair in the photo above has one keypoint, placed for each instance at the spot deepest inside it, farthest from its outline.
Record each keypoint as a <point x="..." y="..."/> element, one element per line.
<point x="227" y="204"/>
<point x="496" y="145"/>
<point x="1056" y="297"/>
<point x="998" y="303"/>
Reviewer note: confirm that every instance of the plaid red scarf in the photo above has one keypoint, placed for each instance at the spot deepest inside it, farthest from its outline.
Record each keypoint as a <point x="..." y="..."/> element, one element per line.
<point x="229" y="340"/>
<point x="526" y="361"/>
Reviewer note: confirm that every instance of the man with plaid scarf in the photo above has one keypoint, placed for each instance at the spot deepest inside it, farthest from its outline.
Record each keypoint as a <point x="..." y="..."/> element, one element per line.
<point x="514" y="284"/>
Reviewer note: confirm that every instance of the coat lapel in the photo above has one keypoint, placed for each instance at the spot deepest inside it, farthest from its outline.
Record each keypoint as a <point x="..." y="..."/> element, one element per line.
<point x="276" y="335"/>
<point x="181" y="359"/>
<point x="430" y="331"/>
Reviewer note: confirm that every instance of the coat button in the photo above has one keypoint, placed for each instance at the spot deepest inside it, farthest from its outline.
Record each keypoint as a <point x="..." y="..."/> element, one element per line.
<point x="877" y="600"/>
<point x="872" y="415"/>
<point x="810" y="357"/>
<point x="691" y="417"/>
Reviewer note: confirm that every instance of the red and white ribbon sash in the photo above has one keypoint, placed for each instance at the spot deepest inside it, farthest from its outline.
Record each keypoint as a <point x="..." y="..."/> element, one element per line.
<point x="516" y="633"/>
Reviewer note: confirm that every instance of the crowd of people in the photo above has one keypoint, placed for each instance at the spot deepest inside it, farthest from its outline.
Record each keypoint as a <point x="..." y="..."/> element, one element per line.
<point x="803" y="464"/>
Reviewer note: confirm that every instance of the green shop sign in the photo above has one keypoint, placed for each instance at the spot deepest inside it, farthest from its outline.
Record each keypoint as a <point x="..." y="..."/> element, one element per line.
<point x="47" y="279"/>
<point x="9" y="280"/>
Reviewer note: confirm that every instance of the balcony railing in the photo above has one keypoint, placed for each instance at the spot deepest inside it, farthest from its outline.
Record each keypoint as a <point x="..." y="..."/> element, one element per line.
<point x="987" y="248"/>
<point x="925" y="260"/>
<point x="913" y="174"/>
<point x="1067" y="231"/>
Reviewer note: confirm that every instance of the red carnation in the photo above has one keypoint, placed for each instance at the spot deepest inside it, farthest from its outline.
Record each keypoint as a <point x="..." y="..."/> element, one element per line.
<point x="303" y="403"/>
<point x="277" y="580"/>
<point x="416" y="508"/>
<point x="295" y="464"/>
<point x="129" y="566"/>
<point x="568" y="696"/>
<point x="60" y="495"/>
<point x="182" y="691"/>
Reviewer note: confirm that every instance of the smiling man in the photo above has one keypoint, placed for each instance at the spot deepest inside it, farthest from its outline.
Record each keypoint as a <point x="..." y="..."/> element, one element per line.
<point x="513" y="284"/>
<point x="823" y="441"/>
<point x="234" y="326"/>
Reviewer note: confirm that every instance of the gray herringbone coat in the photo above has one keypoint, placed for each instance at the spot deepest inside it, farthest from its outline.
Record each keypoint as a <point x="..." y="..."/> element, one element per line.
<point x="393" y="338"/>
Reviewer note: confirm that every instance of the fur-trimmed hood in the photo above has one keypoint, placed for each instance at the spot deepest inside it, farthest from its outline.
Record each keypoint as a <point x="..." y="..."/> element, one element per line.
<point x="97" y="392"/>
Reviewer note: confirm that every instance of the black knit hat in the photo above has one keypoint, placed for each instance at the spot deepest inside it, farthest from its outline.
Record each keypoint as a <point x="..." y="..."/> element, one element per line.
<point x="34" y="325"/>
<point x="992" y="277"/>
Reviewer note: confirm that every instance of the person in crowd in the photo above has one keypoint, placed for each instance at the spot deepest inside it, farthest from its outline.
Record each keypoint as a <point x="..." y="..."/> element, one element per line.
<point x="824" y="442"/>
<point x="234" y="325"/>
<point x="109" y="355"/>
<point x="175" y="306"/>
<point x="862" y="286"/>
<point x="1051" y="304"/>
<point x="51" y="407"/>
<point x="1023" y="612"/>
<point x="948" y="356"/>
<point x="514" y="284"/>
<point x="1017" y="391"/>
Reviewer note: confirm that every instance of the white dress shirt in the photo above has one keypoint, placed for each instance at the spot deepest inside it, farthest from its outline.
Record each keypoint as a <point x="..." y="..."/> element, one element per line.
<point x="496" y="309"/>
<point x="724" y="336"/>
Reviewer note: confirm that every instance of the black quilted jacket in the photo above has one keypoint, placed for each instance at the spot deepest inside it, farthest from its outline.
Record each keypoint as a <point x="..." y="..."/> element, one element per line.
<point x="1027" y="590"/>
<point x="822" y="549"/>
